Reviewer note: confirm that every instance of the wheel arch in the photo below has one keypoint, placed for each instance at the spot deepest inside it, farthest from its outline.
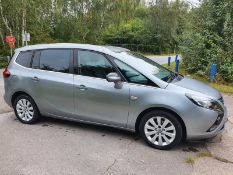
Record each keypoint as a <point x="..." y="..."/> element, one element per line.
<point x="18" y="93"/>
<point x="139" y="118"/>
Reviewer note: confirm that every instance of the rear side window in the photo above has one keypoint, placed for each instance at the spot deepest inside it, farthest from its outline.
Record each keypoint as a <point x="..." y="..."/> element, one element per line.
<point x="55" y="60"/>
<point x="24" y="58"/>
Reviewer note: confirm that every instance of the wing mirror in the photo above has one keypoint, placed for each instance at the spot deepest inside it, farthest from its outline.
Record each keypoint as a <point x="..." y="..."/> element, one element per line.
<point x="113" y="77"/>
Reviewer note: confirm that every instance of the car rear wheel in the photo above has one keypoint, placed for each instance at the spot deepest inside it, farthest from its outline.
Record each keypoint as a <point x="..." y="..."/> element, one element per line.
<point x="160" y="129"/>
<point x="26" y="110"/>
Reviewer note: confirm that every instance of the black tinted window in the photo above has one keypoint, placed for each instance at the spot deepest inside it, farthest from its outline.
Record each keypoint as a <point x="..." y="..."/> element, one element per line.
<point x="93" y="64"/>
<point x="24" y="58"/>
<point x="55" y="60"/>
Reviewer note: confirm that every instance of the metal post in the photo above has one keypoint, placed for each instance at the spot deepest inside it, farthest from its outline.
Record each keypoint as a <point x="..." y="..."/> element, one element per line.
<point x="177" y="66"/>
<point x="176" y="58"/>
<point x="26" y="38"/>
<point x="169" y="61"/>
<point x="11" y="52"/>
<point x="213" y="72"/>
<point x="8" y="59"/>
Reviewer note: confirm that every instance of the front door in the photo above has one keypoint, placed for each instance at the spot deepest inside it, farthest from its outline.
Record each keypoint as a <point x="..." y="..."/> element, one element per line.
<point x="96" y="99"/>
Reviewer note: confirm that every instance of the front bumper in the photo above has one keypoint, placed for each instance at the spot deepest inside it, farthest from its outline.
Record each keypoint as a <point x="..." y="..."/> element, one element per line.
<point x="218" y="130"/>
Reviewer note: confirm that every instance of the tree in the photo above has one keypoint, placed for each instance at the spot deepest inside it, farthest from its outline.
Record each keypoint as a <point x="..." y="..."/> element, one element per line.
<point x="208" y="39"/>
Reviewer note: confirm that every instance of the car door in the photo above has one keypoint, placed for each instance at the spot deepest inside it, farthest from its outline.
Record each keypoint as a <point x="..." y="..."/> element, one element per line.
<point x="96" y="99"/>
<point x="142" y="90"/>
<point x="52" y="81"/>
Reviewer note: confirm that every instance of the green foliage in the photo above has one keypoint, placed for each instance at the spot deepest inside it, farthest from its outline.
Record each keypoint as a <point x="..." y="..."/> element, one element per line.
<point x="127" y="22"/>
<point x="128" y="32"/>
<point x="3" y="62"/>
<point x="208" y="39"/>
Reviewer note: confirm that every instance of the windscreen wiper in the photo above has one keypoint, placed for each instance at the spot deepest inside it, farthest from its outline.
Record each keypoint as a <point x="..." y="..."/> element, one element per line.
<point x="172" y="77"/>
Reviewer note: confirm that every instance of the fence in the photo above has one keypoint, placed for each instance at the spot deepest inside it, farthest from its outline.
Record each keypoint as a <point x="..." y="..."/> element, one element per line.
<point x="153" y="49"/>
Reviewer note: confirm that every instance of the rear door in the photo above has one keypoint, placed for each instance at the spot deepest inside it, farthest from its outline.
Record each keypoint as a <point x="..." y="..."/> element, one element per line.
<point x="52" y="81"/>
<point x="96" y="99"/>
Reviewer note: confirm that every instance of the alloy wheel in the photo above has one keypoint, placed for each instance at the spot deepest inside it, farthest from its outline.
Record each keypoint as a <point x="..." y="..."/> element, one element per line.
<point x="25" y="110"/>
<point x="160" y="131"/>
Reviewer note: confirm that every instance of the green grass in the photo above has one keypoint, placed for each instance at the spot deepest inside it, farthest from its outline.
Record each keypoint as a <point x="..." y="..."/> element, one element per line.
<point x="189" y="160"/>
<point x="204" y="154"/>
<point x="219" y="86"/>
<point x="165" y="54"/>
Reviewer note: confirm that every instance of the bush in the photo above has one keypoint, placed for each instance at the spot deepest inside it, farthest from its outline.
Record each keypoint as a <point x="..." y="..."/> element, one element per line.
<point x="209" y="39"/>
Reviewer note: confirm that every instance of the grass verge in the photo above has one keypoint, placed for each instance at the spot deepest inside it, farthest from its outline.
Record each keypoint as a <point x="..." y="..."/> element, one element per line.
<point x="221" y="87"/>
<point x="165" y="54"/>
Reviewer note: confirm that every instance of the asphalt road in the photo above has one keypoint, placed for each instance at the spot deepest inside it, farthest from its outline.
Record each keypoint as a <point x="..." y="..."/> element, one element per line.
<point x="162" y="59"/>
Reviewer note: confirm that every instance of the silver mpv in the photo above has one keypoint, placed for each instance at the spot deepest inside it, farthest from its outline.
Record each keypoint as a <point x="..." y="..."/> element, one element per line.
<point x="114" y="87"/>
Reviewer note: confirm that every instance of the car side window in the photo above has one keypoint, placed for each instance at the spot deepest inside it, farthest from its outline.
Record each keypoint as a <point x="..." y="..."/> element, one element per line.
<point x="93" y="64"/>
<point x="57" y="60"/>
<point x="131" y="75"/>
<point x="24" y="58"/>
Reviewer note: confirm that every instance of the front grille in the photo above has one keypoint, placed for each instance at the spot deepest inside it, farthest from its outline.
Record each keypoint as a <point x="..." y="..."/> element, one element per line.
<point x="221" y="100"/>
<point x="216" y="123"/>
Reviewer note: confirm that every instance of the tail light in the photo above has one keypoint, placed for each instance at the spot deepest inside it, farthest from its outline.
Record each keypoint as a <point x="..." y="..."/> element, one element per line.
<point x="6" y="73"/>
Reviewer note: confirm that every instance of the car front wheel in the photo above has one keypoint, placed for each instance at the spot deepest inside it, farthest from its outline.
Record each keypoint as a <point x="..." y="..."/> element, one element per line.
<point x="160" y="129"/>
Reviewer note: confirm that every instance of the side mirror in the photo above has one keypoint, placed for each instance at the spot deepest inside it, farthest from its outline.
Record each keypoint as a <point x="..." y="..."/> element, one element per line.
<point x="113" y="77"/>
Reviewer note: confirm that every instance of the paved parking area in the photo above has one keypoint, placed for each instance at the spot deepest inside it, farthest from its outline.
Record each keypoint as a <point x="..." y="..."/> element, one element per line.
<point x="60" y="147"/>
<point x="162" y="59"/>
<point x="54" y="147"/>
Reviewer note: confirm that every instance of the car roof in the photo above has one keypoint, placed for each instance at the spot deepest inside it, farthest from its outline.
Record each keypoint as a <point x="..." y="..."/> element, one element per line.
<point x="73" y="45"/>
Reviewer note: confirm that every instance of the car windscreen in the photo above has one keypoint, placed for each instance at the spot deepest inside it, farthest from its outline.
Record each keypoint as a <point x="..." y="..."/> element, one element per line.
<point x="151" y="66"/>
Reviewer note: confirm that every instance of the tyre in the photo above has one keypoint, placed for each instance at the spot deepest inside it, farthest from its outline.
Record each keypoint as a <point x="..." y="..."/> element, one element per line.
<point x="26" y="110"/>
<point x="160" y="129"/>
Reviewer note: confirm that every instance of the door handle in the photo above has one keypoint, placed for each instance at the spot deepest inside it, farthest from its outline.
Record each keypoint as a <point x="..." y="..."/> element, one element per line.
<point x="82" y="87"/>
<point x="35" y="79"/>
<point x="133" y="97"/>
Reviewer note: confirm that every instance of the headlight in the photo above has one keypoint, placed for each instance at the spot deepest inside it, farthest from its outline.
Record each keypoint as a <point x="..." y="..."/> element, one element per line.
<point x="205" y="102"/>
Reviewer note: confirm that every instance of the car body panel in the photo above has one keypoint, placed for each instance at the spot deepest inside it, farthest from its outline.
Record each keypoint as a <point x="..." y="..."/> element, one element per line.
<point x="100" y="101"/>
<point x="198" y="86"/>
<point x="54" y="92"/>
